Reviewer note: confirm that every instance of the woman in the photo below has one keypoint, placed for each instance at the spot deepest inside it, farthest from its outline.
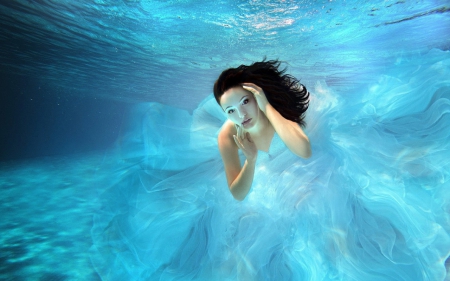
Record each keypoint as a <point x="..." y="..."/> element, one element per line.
<point x="370" y="204"/>
<point x="254" y="118"/>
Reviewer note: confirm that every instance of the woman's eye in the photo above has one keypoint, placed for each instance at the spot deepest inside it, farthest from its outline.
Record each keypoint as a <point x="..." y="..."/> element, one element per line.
<point x="230" y="111"/>
<point x="245" y="101"/>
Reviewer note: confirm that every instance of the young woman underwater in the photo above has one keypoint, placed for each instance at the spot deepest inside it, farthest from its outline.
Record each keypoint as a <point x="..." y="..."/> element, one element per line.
<point x="370" y="203"/>
<point x="253" y="120"/>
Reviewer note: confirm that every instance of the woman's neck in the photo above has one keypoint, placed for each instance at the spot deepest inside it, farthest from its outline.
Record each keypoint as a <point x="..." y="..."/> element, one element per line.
<point x="262" y="133"/>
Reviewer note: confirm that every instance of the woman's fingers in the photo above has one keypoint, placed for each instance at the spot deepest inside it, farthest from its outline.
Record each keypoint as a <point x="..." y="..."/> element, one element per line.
<point x="238" y="143"/>
<point x="251" y="87"/>
<point x="251" y="90"/>
<point x="248" y="88"/>
<point x="246" y="145"/>
<point x="240" y="132"/>
<point x="242" y="136"/>
<point x="244" y="141"/>
<point x="259" y="94"/>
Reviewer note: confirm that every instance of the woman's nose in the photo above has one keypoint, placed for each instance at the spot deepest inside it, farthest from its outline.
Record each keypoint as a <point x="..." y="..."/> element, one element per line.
<point x="242" y="113"/>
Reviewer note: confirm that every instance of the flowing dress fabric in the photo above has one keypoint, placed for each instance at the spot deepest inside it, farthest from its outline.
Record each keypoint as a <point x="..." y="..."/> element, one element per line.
<point x="372" y="203"/>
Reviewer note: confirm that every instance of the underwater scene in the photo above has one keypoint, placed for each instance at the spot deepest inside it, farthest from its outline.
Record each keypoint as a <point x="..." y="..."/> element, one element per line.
<point x="109" y="160"/>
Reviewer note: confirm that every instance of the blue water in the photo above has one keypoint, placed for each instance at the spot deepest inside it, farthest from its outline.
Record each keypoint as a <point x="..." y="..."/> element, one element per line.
<point x="76" y="76"/>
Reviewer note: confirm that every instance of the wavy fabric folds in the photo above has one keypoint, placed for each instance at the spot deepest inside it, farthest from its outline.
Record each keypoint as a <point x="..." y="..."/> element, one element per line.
<point x="372" y="203"/>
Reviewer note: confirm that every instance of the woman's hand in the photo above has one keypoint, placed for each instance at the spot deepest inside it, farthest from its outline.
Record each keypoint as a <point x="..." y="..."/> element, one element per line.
<point x="246" y="144"/>
<point x="259" y="94"/>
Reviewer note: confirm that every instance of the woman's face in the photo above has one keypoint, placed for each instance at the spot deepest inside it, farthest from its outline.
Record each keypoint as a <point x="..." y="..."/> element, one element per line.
<point x="240" y="106"/>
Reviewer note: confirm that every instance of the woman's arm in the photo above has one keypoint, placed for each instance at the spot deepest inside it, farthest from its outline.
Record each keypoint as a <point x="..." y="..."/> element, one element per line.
<point x="290" y="132"/>
<point x="239" y="178"/>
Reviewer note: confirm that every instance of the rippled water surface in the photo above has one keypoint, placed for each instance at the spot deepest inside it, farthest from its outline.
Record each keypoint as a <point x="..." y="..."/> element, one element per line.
<point x="171" y="51"/>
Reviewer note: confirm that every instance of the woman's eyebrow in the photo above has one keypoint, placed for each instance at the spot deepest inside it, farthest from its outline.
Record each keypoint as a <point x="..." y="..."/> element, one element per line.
<point x="239" y="101"/>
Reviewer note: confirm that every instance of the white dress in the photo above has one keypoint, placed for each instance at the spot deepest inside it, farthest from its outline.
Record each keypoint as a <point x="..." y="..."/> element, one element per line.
<point x="372" y="203"/>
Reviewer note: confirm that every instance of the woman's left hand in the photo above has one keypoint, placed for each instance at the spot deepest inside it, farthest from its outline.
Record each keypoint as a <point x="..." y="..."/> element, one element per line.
<point x="259" y="94"/>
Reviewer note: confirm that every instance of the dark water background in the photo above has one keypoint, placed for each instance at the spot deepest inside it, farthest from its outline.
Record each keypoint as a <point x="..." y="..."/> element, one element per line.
<point x="37" y="120"/>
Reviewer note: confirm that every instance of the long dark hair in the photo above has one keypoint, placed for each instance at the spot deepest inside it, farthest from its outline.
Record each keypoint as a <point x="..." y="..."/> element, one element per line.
<point x="283" y="91"/>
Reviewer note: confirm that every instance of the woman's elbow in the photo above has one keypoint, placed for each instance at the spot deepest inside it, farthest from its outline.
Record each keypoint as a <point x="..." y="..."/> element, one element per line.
<point x="307" y="153"/>
<point x="238" y="196"/>
<point x="304" y="154"/>
<point x="303" y="151"/>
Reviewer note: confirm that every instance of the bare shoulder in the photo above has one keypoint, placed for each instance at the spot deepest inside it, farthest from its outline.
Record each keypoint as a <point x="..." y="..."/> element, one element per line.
<point x="225" y="137"/>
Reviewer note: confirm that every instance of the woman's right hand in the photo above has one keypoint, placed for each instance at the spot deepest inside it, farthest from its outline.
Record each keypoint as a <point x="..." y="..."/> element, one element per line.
<point x="246" y="144"/>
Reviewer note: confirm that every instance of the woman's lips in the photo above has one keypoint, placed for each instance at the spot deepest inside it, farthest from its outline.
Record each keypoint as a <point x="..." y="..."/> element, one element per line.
<point x="246" y="121"/>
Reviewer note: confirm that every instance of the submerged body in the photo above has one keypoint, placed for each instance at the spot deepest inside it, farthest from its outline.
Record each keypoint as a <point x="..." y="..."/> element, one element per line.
<point x="370" y="203"/>
<point x="253" y="120"/>
<point x="251" y="127"/>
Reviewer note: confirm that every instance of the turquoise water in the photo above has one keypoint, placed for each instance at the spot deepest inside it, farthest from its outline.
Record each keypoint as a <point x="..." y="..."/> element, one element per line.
<point x="76" y="70"/>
